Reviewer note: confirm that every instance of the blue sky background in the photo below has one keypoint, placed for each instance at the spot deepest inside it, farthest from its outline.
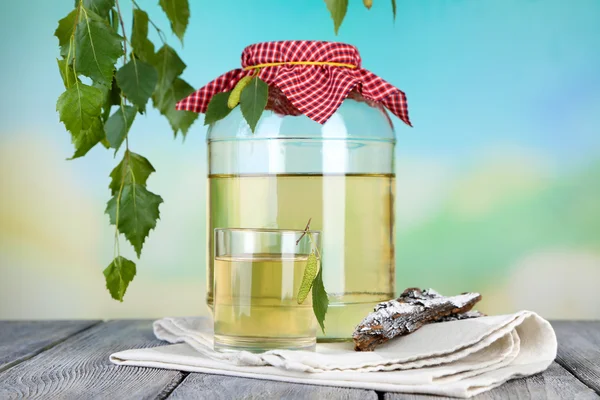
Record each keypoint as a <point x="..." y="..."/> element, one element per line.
<point x="514" y="83"/>
<point x="523" y="71"/>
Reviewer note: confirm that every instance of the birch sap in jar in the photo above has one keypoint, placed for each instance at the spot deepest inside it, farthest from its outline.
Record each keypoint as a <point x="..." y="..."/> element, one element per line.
<point x="340" y="174"/>
<point x="321" y="147"/>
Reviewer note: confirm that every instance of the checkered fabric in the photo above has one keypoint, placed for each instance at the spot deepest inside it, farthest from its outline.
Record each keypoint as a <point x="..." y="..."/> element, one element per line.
<point x="313" y="90"/>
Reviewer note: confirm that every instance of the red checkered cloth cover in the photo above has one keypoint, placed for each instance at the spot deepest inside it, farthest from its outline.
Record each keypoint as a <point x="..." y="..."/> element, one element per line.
<point x="313" y="90"/>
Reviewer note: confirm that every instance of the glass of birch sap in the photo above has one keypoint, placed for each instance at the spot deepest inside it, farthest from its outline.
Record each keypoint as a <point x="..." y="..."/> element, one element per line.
<point x="257" y="279"/>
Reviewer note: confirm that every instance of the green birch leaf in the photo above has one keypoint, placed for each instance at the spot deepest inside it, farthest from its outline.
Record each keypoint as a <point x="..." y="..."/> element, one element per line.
<point x="97" y="48"/>
<point x="79" y="107"/>
<point x="310" y="272"/>
<point x="319" y="299"/>
<point x="178" y="12"/>
<point x="118" y="275"/>
<point x="394" y="8"/>
<point x="114" y="20"/>
<point x="112" y="97"/>
<point x="337" y="9"/>
<point x="178" y="90"/>
<point x="137" y="80"/>
<point x="138" y="213"/>
<point x="117" y="126"/>
<point x="64" y="31"/>
<point x="132" y="168"/>
<point x="143" y="48"/>
<point x="88" y="138"/>
<point x="217" y="108"/>
<point x="253" y="101"/>
<point x="67" y="73"/>
<point x="169" y="66"/>
<point x="100" y="7"/>
<point x="179" y="120"/>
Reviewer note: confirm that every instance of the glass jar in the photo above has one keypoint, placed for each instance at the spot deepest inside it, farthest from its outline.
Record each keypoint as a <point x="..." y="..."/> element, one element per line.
<point x="340" y="174"/>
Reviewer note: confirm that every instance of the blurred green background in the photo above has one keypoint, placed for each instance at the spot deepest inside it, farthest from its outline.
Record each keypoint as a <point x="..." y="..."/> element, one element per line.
<point x="498" y="182"/>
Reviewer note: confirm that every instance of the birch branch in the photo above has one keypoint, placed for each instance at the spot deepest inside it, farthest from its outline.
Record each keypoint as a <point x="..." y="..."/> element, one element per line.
<point x="407" y="313"/>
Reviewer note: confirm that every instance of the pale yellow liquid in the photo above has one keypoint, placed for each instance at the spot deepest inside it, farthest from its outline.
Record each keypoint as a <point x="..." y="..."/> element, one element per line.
<point x="355" y="214"/>
<point x="256" y="306"/>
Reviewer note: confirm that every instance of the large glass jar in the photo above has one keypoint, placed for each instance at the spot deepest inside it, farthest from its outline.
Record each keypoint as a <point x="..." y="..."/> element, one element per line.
<point x="340" y="174"/>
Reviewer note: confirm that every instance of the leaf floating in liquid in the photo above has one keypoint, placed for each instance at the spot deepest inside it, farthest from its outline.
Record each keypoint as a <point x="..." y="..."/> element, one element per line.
<point x="310" y="273"/>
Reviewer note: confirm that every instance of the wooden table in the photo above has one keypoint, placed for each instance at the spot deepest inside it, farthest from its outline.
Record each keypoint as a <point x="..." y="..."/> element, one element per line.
<point x="69" y="359"/>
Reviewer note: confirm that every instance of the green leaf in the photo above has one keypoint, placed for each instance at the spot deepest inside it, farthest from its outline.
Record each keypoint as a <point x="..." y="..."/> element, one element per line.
<point x="132" y="168"/>
<point x="100" y="7"/>
<point x="253" y="101"/>
<point x="79" y="109"/>
<point x="394" y="8"/>
<point x="67" y="73"/>
<point x="319" y="299"/>
<point x="170" y="89"/>
<point x="79" y="106"/>
<point x="64" y="31"/>
<point x="337" y="8"/>
<point x="111" y="96"/>
<point x="88" y="138"/>
<point x="178" y="90"/>
<point x="217" y="108"/>
<point x="117" y="126"/>
<point x="98" y="48"/>
<point x="143" y="48"/>
<point x="138" y="80"/>
<point x="138" y="213"/>
<point x="178" y="12"/>
<point x="119" y="274"/>
<point x="179" y="120"/>
<point x="114" y="20"/>
<point x="169" y="66"/>
<point x="310" y="272"/>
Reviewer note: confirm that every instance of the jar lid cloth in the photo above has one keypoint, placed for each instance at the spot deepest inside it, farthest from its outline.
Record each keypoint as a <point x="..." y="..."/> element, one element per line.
<point x="309" y="77"/>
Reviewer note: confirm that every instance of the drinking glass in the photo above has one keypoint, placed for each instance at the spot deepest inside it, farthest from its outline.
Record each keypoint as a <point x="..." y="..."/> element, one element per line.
<point x="258" y="273"/>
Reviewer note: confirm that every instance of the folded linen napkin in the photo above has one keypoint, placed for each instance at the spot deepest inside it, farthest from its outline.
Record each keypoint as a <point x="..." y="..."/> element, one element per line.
<point x="456" y="358"/>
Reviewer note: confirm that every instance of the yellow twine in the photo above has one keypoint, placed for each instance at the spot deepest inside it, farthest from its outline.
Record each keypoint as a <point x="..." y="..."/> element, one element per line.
<point x="276" y="64"/>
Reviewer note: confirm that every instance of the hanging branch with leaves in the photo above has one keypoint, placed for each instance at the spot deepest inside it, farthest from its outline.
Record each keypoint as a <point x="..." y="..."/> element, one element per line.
<point x="101" y="101"/>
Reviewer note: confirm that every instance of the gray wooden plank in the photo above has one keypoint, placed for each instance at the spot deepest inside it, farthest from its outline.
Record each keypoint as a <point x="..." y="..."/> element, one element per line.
<point x="579" y="350"/>
<point x="554" y="383"/>
<point x="79" y="367"/>
<point x="205" y="386"/>
<point x="20" y="340"/>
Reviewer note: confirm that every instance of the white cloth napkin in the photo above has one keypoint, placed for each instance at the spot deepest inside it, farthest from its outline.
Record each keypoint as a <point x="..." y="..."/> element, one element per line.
<point x="458" y="358"/>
